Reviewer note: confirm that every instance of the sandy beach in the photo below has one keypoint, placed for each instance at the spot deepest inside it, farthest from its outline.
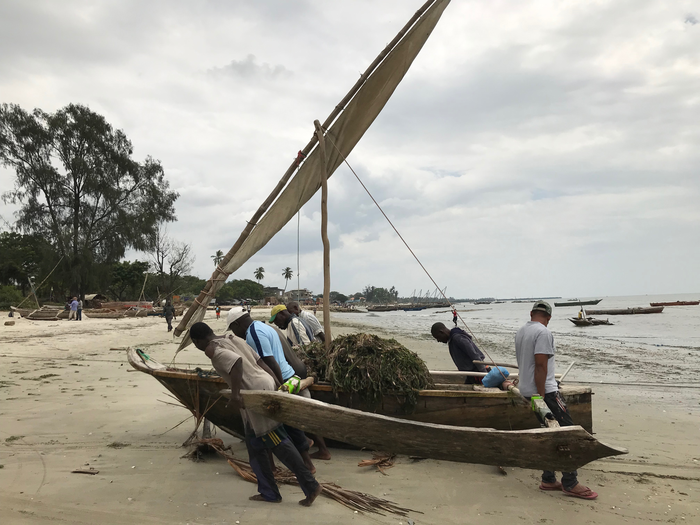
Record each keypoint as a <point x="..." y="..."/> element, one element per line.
<point x="69" y="400"/>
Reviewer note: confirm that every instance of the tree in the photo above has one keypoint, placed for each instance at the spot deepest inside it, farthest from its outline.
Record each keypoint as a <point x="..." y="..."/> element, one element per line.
<point x="287" y="274"/>
<point x="218" y="257"/>
<point x="337" y="297"/>
<point x="170" y="261"/>
<point x="259" y="274"/>
<point x="240" y="289"/>
<point x="21" y="259"/>
<point x="127" y="279"/>
<point x="79" y="187"/>
<point x="380" y="295"/>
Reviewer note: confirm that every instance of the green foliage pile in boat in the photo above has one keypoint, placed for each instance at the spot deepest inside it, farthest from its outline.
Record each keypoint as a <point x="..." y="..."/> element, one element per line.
<point x="370" y="366"/>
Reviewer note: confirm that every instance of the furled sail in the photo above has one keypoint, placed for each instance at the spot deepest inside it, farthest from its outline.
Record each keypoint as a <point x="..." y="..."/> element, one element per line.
<point x="344" y="128"/>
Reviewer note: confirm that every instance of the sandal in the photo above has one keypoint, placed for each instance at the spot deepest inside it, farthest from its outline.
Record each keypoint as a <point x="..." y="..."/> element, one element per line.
<point x="585" y="494"/>
<point x="551" y="486"/>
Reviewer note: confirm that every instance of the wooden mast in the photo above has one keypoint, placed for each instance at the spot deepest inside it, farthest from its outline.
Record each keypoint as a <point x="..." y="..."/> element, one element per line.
<point x="324" y="237"/>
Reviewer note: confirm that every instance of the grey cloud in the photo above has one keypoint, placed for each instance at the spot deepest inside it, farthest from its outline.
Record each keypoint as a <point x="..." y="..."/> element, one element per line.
<point x="249" y="68"/>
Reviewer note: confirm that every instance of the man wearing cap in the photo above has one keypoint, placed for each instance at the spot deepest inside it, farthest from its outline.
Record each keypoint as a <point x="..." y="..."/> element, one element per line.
<point x="266" y="342"/>
<point x="308" y="319"/>
<point x="534" y="350"/>
<point x="296" y="331"/>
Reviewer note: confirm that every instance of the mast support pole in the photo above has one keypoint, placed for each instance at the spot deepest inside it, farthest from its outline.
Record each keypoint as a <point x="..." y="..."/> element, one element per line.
<point x="324" y="237"/>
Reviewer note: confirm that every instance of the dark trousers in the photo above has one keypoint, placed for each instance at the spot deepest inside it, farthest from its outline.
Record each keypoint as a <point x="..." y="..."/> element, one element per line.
<point x="170" y="323"/>
<point x="287" y="453"/>
<point x="555" y="402"/>
<point x="298" y="438"/>
<point x="80" y="314"/>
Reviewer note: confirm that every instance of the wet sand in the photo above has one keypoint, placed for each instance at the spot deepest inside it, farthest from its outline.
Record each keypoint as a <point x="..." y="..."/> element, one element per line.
<point x="68" y="401"/>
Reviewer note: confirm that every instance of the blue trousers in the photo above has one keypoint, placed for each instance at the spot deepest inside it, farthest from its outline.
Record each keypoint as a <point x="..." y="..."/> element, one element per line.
<point x="287" y="453"/>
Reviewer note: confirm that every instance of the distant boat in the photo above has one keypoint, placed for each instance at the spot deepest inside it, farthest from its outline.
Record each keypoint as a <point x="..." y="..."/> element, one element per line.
<point x="576" y="302"/>
<point x="483" y="302"/>
<point x="628" y="311"/>
<point x="589" y="321"/>
<point x="414" y="308"/>
<point x="677" y="303"/>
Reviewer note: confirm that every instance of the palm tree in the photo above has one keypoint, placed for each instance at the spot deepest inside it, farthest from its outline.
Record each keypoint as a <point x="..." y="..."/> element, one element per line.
<point x="259" y="274"/>
<point x="218" y="257"/>
<point x="287" y="274"/>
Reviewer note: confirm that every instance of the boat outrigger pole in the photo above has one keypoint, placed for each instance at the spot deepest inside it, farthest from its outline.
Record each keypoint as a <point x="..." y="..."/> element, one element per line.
<point x="324" y="238"/>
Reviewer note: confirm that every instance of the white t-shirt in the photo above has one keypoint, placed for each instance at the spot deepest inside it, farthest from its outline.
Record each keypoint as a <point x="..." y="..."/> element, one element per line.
<point x="296" y="332"/>
<point x="534" y="338"/>
<point x="311" y="320"/>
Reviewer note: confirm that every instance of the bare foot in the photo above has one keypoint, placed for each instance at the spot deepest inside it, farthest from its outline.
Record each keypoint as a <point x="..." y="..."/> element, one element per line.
<point x="260" y="497"/>
<point x="306" y="502"/>
<point x="321" y="454"/>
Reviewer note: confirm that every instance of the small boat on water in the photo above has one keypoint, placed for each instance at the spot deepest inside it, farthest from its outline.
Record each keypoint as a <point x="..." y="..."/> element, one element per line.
<point x="628" y="311"/>
<point x="677" y="303"/>
<point x="576" y="302"/>
<point x="566" y="448"/>
<point x="589" y="321"/>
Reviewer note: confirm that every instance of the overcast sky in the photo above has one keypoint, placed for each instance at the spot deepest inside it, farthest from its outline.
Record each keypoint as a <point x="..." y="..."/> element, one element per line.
<point x="534" y="148"/>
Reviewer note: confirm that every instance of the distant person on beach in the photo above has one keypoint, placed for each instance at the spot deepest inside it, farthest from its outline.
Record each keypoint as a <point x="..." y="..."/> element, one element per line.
<point x="80" y="310"/>
<point x="297" y="332"/>
<point x="454" y="316"/>
<point x="534" y="350"/>
<point x="463" y="350"/>
<point x="308" y="319"/>
<point x="169" y="314"/>
<point x="218" y="312"/>
<point x="243" y="369"/>
<point x="266" y="342"/>
<point x="73" y="314"/>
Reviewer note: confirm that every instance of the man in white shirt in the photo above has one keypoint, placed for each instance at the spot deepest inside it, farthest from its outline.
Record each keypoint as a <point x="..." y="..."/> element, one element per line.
<point x="534" y="350"/>
<point x="309" y="319"/>
<point x="292" y="326"/>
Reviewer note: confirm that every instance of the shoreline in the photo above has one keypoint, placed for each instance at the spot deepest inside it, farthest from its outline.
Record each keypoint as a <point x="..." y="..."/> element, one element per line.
<point x="66" y="399"/>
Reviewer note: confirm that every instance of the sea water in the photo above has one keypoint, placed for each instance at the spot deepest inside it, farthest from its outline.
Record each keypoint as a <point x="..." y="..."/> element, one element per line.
<point x="642" y="348"/>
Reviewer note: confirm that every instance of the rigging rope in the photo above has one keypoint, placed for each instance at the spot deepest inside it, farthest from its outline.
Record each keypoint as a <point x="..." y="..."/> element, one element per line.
<point x="345" y="160"/>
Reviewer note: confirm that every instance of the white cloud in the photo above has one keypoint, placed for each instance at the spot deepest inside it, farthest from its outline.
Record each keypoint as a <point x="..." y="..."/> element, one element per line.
<point x="533" y="148"/>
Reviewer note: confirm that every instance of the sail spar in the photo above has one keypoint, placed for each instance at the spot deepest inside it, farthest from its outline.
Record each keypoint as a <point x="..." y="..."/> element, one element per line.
<point x="345" y="127"/>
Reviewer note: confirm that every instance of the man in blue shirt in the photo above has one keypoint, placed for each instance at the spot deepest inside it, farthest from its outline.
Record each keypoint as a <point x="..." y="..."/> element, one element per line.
<point x="266" y="342"/>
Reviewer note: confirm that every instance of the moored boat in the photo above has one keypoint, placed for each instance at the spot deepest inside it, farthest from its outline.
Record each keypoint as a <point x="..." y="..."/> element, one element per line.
<point x="628" y="311"/>
<point x="576" y="302"/>
<point x="589" y="321"/>
<point x="677" y="303"/>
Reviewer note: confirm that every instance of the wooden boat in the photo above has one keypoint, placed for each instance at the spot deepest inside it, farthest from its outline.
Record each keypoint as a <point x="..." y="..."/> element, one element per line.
<point x="628" y="311"/>
<point x="576" y="302"/>
<point x="558" y="449"/>
<point x="677" y="303"/>
<point x="383" y="308"/>
<point x="589" y="321"/>
<point x="449" y="404"/>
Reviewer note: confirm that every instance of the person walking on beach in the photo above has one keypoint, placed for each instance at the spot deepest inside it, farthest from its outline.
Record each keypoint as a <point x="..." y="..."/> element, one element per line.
<point x="534" y="351"/>
<point x="73" y="314"/>
<point x="463" y="350"/>
<point x="80" y="310"/>
<point x="243" y="369"/>
<point x="169" y="314"/>
<point x="218" y="312"/>
<point x="454" y="316"/>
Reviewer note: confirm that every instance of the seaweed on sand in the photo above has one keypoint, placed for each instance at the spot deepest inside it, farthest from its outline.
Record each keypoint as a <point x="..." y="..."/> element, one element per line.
<point x="369" y="366"/>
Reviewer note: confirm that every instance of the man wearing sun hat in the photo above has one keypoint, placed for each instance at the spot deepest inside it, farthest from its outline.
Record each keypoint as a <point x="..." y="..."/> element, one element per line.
<point x="534" y="351"/>
<point x="293" y="327"/>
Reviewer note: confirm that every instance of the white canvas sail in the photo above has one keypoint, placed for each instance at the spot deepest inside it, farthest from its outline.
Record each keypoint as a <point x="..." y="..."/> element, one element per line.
<point x="345" y="132"/>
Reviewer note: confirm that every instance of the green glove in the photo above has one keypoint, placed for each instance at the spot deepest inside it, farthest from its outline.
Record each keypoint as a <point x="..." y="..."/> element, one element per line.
<point x="533" y="405"/>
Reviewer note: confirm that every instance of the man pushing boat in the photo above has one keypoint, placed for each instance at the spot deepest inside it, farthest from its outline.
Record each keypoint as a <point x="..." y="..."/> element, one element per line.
<point x="534" y="351"/>
<point x="243" y="369"/>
